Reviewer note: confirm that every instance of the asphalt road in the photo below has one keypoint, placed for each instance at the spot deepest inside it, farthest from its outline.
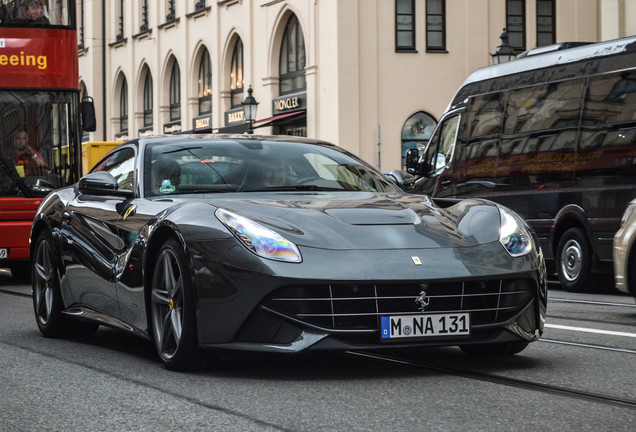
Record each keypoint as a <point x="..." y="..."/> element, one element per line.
<point x="581" y="376"/>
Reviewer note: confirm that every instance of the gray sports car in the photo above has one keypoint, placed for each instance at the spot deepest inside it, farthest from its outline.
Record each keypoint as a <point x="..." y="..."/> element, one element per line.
<point x="278" y="245"/>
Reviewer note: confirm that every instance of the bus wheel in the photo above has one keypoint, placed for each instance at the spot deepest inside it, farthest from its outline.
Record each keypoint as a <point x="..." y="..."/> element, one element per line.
<point x="574" y="261"/>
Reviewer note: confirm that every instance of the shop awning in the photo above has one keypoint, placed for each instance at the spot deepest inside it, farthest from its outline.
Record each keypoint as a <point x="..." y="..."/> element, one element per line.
<point x="277" y="118"/>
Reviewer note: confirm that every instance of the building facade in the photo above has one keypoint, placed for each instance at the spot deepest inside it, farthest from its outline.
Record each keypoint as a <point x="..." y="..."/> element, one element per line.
<point x="372" y="76"/>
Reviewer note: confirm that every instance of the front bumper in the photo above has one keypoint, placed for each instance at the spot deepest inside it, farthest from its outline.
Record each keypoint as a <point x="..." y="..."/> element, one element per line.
<point x="234" y="308"/>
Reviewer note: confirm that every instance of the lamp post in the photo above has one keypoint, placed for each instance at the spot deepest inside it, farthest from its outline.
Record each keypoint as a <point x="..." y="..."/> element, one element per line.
<point x="504" y="52"/>
<point x="249" y="107"/>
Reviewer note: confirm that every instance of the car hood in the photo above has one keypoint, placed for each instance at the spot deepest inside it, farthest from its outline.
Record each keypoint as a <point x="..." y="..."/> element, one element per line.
<point x="362" y="220"/>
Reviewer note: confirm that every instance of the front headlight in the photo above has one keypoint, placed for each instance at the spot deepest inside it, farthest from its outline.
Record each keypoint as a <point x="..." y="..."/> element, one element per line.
<point x="514" y="234"/>
<point x="258" y="239"/>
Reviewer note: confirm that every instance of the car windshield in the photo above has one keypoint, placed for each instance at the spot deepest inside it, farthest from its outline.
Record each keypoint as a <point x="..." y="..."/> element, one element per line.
<point x="207" y="166"/>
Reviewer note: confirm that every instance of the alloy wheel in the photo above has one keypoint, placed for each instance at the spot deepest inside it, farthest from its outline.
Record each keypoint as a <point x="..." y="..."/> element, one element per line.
<point x="167" y="304"/>
<point x="43" y="282"/>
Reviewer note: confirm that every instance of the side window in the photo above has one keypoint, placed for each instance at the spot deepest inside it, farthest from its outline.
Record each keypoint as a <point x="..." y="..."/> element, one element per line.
<point x="121" y="165"/>
<point x="608" y="127"/>
<point x="538" y="144"/>
<point x="484" y="119"/>
<point x="439" y="152"/>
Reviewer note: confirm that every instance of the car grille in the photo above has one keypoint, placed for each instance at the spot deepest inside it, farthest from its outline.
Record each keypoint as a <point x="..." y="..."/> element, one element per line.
<point x="358" y="306"/>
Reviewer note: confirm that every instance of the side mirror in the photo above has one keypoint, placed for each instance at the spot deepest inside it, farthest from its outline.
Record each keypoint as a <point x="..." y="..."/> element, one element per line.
<point x="102" y="183"/>
<point x="402" y="179"/>
<point x="412" y="156"/>
<point x="87" y="108"/>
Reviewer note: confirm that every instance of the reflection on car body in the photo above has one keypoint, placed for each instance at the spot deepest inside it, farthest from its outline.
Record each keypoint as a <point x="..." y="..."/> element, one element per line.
<point x="327" y="254"/>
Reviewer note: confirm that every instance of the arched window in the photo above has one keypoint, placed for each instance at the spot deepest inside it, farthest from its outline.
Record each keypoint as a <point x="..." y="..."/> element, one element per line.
<point x="236" y="75"/>
<point x="148" y="100"/>
<point x="416" y="132"/>
<point x="175" y="92"/>
<point x="123" y="107"/>
<point x="292" y="59"/>
<point x="205" y="84"/>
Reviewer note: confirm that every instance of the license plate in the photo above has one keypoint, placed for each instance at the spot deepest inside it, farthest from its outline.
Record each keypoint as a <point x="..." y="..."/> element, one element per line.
<point x="4" y="253"/>
<point x="424" y="325"/>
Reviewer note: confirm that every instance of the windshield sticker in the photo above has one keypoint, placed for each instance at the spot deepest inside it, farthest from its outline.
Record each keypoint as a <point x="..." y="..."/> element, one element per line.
<point x="168" y="188"/>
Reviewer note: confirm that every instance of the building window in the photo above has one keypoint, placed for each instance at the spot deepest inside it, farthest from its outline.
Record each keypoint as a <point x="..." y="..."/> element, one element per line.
<point x="123" y="107"/>
<point x="404" y="25"/>
<point x="199" y="5"/>
<point x="516" y="24"/>
<point x="143" y="16"/>
<point x="120" y="21"/>
<point x="436" y="25"/>
<point x="170" y="11"/>
<point x="148" y="100"/>
<point x="236" y="75"/>
<point x="205" y="84"/>
<point x="292" y="59"/>
<point x="175" y="93"/>
<point x="545" y="22"/>
<point x="80" y="45"/>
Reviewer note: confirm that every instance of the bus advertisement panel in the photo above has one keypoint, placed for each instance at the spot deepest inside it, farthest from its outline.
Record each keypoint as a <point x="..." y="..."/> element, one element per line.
<point x="39" y="116"/>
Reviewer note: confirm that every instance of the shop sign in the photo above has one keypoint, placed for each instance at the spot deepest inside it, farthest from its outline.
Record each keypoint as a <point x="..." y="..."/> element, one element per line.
<point x="289" y="103"/>
<point x="202" y="122"/>
<point x="172" y="127"/>
<point x="234" y="116"/>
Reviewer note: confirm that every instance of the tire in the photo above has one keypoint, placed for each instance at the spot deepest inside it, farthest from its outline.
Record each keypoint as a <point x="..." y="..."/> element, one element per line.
<point x="498" y="349"/>
<point x="172" y="311"/>
<point x="47" y="297"/>
<point x="574" y="261"/>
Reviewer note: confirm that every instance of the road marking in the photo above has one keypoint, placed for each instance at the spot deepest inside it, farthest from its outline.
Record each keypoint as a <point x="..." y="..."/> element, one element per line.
<point x="588" y="330"/>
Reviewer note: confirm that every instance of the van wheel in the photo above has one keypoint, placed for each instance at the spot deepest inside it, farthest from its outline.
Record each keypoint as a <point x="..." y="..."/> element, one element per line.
<point x="574" y="261"/>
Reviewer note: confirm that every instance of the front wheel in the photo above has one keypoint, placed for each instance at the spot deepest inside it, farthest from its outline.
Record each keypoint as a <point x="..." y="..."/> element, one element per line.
<point x="497" y="349"/>
<point x="47" y="297"/>
<point x="574" y="261"/>
<point x="172" y="311"/>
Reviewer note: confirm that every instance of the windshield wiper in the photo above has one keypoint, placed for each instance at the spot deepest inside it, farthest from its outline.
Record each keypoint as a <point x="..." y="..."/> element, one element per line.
<point x="293" y="188"/>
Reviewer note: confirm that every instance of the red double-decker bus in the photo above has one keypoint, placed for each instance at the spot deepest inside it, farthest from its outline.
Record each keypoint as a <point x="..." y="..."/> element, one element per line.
<point x="40" y="126"/>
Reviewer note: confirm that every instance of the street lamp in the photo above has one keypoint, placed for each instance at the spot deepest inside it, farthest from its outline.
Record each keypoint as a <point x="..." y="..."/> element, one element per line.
<point x="249" y="108"/>
<point x="504" y="52"/>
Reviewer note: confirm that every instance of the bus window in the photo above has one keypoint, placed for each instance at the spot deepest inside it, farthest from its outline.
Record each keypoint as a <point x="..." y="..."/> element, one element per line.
<point x="35" y="133"/>
<point x="37" y="13"/>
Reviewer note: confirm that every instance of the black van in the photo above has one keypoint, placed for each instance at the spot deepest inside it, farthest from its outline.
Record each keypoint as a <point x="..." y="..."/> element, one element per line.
<point x="552" y="136"/>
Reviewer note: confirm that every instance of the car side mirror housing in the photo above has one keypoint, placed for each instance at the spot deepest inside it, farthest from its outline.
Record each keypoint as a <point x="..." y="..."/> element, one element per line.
<point x="102" y="183"/>
<point x="402" y="179"/>
<point x="89" y="123"/>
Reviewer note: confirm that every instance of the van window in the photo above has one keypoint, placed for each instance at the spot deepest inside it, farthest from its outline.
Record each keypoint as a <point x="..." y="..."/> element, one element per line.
<point x="440" y="150"/>
<point x="544" y="107"/>
<point x="608" y="131"/>
<point x="538" y="146"/>
<point x="484" y="115"/>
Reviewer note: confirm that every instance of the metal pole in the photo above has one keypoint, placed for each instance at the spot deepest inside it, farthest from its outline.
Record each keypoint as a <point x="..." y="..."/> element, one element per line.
<point x="379" y="152"/>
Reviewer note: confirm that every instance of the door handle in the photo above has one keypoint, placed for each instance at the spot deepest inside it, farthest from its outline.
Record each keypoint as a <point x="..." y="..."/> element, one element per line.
<point x="445" y="183"/>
